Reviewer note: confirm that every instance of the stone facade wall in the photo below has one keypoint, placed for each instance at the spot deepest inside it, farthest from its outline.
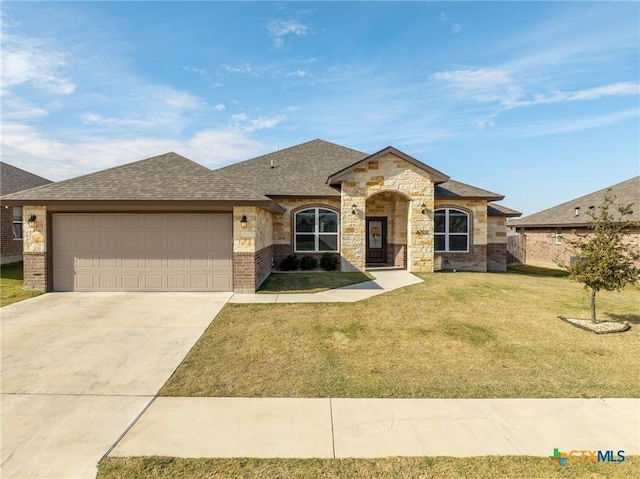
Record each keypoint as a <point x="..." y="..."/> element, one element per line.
<point x="388" y="173"/>
<point x="10" y="248"/>
<point x="35" y="248"/>
<point x="283" y="226"/>
<point x="479" y="218"/>
<point x="474" y="260"/>
<point x="252" y="248"/>
<point x="496" y="230"/>
<point x="496" y="243"/>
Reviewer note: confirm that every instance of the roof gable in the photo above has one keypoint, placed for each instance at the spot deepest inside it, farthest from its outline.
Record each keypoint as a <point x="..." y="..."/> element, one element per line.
<point x="565" y="214"/>
<point x="169" y="177"/>
<point x="13" y="179"/>
<point x="436" y="176"/>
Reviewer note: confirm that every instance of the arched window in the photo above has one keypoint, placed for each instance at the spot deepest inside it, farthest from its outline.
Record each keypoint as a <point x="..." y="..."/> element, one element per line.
<point x="316" y="229"/>
<point x="451" y="231"/>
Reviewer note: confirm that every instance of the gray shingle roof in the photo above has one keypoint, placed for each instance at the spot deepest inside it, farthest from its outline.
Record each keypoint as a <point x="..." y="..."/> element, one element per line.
<point x="494" y="209"/>
<point x="168" y="177"/>
<point x="300" y="170"/>
<point x="13" y="179"/>
<point x="455" y="189"/>
<point x="565" y="214"/>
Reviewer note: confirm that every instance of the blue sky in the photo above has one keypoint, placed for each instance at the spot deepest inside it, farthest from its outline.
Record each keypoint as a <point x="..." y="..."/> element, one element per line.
<point x="538" y="101"/>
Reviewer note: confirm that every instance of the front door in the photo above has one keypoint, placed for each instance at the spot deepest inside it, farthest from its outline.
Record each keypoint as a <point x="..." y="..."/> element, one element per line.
<point x="376" y="239"/>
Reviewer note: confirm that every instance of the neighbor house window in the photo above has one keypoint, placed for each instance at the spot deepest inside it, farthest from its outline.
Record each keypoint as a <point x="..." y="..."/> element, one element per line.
<point x="451" y="230"/>
<point x="558" y="235"/>
<point x="316" y="229"/>
<point x="17" y="222"/>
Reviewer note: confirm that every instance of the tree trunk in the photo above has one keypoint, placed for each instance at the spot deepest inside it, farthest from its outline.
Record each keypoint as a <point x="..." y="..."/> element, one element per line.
<point x="593" y="305"/>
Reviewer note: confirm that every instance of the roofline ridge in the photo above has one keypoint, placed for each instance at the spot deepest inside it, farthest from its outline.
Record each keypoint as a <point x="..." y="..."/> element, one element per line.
<point x="575" y="200"/>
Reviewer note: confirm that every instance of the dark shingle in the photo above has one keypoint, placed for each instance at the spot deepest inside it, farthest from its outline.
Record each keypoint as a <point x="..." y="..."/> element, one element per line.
<point x="164" y="177"/>
<point x="300" y="170"/>
<point x="565" y="214"/>
<point x="499" y="210"/>
<point x="13" y="179"/>
<point x="455" y="189"/>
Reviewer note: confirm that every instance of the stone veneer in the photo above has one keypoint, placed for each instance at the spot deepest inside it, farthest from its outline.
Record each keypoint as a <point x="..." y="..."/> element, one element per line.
<point x="35" y="248"/>
<point x="252" y="248"/>
<point x="387" y="174"/>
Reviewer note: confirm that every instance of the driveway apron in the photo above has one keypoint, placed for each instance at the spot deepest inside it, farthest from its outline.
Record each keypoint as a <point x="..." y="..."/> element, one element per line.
<point x="79" y="368"/>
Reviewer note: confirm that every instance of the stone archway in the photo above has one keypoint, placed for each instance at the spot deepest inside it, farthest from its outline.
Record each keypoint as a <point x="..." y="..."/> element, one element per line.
<point x="386" y="214"/>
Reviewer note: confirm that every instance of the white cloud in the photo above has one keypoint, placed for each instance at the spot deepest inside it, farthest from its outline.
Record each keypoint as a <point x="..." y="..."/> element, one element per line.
<point x="14" y="108"/>
<point x="279" y="29"/>
<point x="180" y="100"/>
<point x="456" y="28"/>
<point x="95" y="119"/>
<point x="219" y="107"/>
<point x="567" y="125"/>
<point x="299" y="74"/>
<point x="246" y="68"/>
<point x="244" y="123"/>
<point x="481" y="84"/>
<point x="34" y="62"/>
<point x="25" y="147"/>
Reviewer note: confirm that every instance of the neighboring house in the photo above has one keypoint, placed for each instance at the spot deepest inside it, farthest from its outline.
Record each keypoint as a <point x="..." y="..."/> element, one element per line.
<point x="14" y="179"/>
<point x="167" y="223"/>
<point x="540" y="239"/>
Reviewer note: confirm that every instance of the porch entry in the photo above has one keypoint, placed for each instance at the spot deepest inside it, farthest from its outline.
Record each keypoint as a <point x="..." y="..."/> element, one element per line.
<point x="376" y="239"/>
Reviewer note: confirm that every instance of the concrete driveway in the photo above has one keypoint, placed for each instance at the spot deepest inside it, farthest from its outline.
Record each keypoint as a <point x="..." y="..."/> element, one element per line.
<point x="79" y="368"/>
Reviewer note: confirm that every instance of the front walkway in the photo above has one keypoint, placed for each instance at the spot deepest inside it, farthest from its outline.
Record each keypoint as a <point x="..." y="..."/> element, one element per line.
<point x="385" y="281"/>
<point x="340" y="428"/>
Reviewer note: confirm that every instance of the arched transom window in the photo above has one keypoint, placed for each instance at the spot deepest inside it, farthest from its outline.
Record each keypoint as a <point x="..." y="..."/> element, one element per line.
<point x="316" y="229"/>
<point x="451" y="230"/>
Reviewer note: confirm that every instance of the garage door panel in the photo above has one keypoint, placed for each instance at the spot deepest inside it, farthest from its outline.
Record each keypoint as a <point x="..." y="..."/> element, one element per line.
<point x="138" y="252"/>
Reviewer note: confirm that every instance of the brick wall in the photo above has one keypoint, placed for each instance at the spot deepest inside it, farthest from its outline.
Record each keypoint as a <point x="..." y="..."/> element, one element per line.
<point x="10" y="248"/>
<point x="542" y="249"/>
<point x="251" y="269"/>
<point x="35" y="271"/>
<point x="496" y="257"/>
<point x="474" y="260"/>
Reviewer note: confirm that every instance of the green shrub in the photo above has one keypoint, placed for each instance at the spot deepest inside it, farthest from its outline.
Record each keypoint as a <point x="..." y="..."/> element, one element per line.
<point x="329" y="261"/>
<point x="308" y="262"/>
<point x="290" y="263"/>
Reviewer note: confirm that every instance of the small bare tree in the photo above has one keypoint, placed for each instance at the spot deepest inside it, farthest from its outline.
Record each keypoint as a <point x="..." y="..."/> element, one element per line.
<point x="603" y="258"/>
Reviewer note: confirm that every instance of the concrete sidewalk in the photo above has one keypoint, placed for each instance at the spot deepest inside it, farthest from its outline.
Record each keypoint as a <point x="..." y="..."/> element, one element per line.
<point x="338" y="428"/>
<point x="385" y="281"/>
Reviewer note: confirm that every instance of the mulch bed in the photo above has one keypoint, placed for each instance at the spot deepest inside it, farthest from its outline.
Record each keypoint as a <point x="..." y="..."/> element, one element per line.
<point x="601" y="327"/>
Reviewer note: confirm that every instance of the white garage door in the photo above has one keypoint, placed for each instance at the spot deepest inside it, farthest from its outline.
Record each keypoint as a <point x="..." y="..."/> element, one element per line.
<point x="142" y="252"/>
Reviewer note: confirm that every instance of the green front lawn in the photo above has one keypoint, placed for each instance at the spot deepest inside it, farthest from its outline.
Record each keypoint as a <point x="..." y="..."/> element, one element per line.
<point x="11" y="285"/>
<point x="457" y="335"/>
<point x="311" y="282"/>
<point x="494" y="467"/>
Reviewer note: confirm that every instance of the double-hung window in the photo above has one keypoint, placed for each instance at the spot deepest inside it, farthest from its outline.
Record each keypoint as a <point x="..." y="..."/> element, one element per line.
<point x="451" y="231"/>
<point x="17" y="222"/>
<point x="316" y="230"/>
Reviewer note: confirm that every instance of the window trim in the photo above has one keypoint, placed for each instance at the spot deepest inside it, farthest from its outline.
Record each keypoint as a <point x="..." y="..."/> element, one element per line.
<point x="15" y="222"/>
<point x="558" y="236"/>
<point x="446" y="234"/>
<point x="316" y="233"/>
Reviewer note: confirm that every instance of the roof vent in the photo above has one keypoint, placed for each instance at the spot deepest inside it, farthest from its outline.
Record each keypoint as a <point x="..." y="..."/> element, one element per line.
<point x="272" y="165"/>
<point x="577" y="210"/>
